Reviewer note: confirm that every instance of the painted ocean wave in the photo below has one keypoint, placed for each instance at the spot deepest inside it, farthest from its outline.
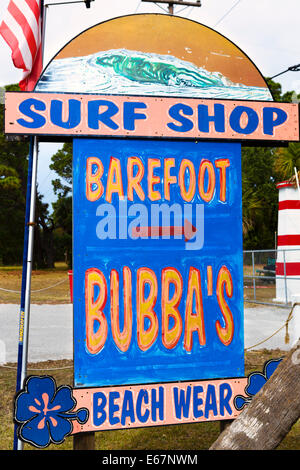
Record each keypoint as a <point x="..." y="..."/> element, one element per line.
<point x="130" y="72"/>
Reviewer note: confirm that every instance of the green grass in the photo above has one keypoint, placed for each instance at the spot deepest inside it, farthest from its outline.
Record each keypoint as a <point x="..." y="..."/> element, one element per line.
<point x="48" y="286"/>
<point x="10" y="268"/>
<point x="198" y="436"/>
<point x="187" y="436"/>
<point x="59" y="266"/>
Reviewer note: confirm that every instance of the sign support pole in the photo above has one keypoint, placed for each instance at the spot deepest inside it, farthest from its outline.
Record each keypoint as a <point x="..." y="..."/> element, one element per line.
<point x="31" y="224"/>
<point x="84" y="440"/>
<point x="26" y="273"/>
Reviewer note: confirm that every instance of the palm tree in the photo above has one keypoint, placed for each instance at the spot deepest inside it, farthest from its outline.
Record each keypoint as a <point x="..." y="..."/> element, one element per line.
<point x="260" y="197"/>
<point x="287" y="159"/>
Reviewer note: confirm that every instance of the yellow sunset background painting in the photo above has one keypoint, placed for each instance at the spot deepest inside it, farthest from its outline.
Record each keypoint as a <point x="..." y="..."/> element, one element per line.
<point x="168" y="35"/>
<point x="154" y="54"/>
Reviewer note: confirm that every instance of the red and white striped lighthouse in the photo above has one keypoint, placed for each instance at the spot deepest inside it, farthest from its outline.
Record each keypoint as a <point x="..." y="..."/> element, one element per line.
<point x="288" y="243"/>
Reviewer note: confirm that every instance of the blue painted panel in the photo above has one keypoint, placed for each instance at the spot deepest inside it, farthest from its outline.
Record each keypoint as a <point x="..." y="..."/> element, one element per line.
<point x="217" y="244"/>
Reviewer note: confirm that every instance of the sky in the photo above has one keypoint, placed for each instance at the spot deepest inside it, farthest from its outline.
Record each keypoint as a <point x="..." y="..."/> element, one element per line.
<point x="266" y="30"/>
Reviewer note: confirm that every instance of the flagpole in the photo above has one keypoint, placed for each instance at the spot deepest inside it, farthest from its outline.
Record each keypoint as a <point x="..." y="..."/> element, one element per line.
<point x="23" y="287"/>
<point x="26" y="274"/>
<point x="28" y="256"/>
<point x="31" y="224"/>
<point x="44" y="9"/>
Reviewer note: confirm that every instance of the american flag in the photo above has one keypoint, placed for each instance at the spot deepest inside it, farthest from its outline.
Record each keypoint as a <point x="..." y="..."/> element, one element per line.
<point x="21" y="29"/>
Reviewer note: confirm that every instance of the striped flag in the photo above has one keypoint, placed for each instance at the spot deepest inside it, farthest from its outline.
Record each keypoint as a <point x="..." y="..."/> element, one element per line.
<point x="21" y="29"/>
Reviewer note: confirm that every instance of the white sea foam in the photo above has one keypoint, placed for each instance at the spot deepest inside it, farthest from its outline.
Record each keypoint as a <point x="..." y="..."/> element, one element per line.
<point x="134" y="73"/>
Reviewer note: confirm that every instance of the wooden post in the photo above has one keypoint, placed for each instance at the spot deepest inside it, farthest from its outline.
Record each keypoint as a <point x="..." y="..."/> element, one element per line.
<point x="84" y="441"/>
<point x="271" y="413"/>
<point x="224" y="424"/>
<point x="171" y="3"/>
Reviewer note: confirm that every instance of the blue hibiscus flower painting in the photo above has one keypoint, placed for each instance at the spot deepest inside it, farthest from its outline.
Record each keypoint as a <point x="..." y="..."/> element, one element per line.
<point x="256" y="381"/>
<point x="44" y="412"/>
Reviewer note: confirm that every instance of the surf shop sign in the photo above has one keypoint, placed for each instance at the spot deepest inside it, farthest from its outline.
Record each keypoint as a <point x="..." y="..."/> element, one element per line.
<point x="127" y="116"/>
<point x="157" y="222"/>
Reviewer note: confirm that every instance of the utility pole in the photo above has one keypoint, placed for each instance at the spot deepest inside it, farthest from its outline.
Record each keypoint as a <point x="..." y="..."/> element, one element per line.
<point x="171" y="3"/>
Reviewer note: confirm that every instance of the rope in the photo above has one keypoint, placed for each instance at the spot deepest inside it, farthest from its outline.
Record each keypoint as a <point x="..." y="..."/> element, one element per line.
<point x="36" y="290"/>
<point x="285" y="325"/>
<point x="9" y="290"/>
<point x="50" y="287"/>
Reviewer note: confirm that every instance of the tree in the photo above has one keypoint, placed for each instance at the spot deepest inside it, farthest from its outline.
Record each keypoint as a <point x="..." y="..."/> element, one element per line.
<point x="272" y="412"/>
<point x="62" y="164"/>
<point x="62" y="217"/>
<point x="44" y="251"/>
<point x="11" y="215"/>
<point x="13" y="175"/>
<point x="62" y="208"/>
<point x="262" y="168"/>
<point x="287" y="158"/>
<point x="276" y="90"/>
<point x="14" y="155"/>
<point x="260" y="197"/>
